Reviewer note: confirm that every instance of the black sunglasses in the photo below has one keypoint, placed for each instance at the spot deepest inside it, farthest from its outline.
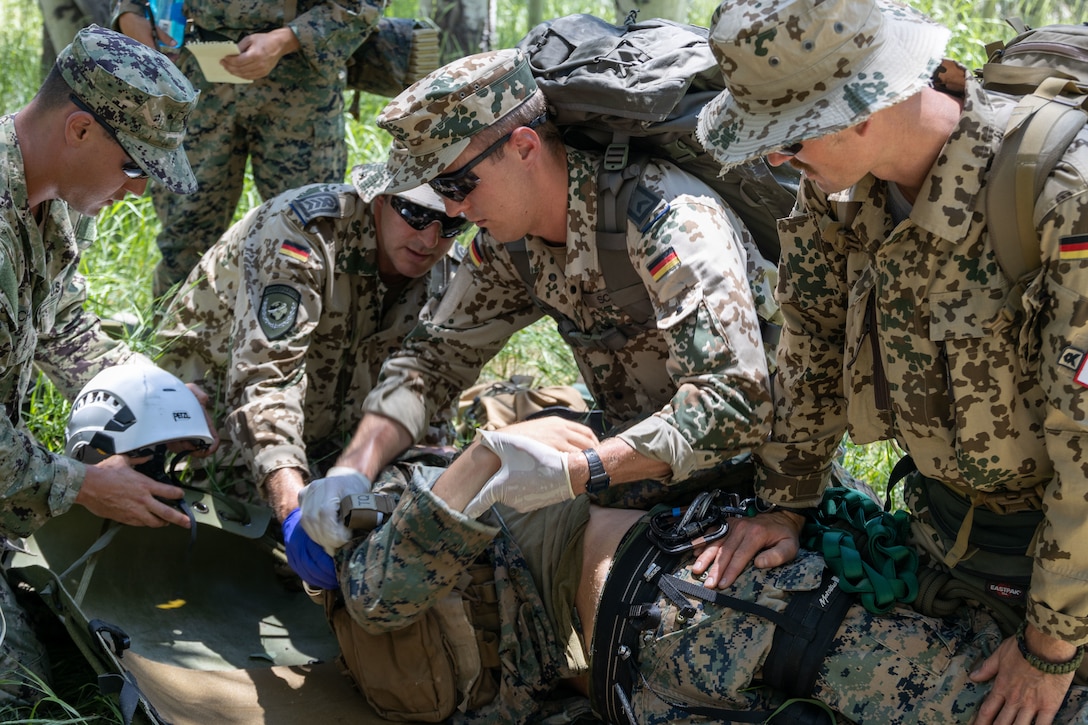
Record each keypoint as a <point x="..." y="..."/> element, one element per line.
<point x="457" y="185"/>
<point x="792" y="150"/>
<point x="420" y="217"/>
<point x="130" y="168"/>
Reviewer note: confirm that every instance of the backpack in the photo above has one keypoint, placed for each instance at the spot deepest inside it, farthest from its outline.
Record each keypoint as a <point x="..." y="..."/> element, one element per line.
<point x="635" y="92"/>
<point x="399" y="52"/>
<point x="1048" y="66"/>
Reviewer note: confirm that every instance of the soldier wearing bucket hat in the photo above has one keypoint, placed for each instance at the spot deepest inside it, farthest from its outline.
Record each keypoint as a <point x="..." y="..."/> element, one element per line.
<point x="690" y="392"/>
<point x="287" y="319"/>
<point x="901" y="324"/>
<point x="110" y="113"/>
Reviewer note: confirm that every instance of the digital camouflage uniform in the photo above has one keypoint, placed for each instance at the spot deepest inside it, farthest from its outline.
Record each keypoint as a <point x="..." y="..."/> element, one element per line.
<point x="701" y="372"/>
<point x="286" y="323"/>
<point x="897" y="668"/>
<point x="908" y="331"/>
<point x="42" y="322"/>
<point x="290" y="124"/>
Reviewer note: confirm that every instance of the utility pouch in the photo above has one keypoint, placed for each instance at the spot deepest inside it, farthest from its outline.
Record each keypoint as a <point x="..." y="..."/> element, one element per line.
<point x="407" y="674"/>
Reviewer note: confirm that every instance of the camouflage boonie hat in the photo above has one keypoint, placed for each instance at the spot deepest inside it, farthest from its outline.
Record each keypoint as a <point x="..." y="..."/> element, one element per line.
<point x="434" y="119"/>
<point x="800" y="69"/>
<point x="139" y="94"/>
<point x="422" y="194"/>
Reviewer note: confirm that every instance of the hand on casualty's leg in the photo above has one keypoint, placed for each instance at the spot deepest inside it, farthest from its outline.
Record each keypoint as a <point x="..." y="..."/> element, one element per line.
<point x="531" y="474"/>
<point x="766" y="540"/>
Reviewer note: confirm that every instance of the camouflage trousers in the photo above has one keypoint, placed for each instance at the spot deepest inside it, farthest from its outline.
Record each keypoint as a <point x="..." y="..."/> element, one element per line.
<point x="21" y="654"/>
<point x="901" y="667"/>
<point x="289" y="126"/>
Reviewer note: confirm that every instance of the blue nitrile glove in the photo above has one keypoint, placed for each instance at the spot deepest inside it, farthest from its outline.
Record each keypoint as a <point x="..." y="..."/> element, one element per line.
<point x="306" y="557"/>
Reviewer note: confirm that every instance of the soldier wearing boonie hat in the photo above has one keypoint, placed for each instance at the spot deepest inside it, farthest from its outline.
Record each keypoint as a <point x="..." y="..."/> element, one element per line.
<point x="799" y="70"/>
<point x="477" y="131"/>
<point x="903" y="312"/>
<point x="109" y="113"/>
<point x="336" y="279"/>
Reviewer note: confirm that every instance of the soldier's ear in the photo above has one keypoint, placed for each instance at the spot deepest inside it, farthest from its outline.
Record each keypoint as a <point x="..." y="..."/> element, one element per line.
<point x="77" y="127"/>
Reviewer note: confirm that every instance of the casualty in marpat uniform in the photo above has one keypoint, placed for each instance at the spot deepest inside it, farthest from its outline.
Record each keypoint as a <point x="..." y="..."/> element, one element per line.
<point x="183" y="626"/>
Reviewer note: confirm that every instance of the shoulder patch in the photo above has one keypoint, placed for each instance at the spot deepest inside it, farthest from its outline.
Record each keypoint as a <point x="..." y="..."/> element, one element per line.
<point x="317" y="205"/>
<point x="475" y="253"/>
<point x="295" y="250"/>
<point x="1073" y="247"/>
<point x="278" y="310"/>
<point x="664" y="263"/>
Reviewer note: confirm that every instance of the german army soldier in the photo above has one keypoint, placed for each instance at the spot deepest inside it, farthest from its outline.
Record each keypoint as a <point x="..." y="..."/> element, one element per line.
<point x="109" y="115"/>
<point x="289" y="122"/>
<point x="573" y="604"/>
<point x="690" y="388"/>
<point x="287" y="319"/>
<point x="901" y="323"/>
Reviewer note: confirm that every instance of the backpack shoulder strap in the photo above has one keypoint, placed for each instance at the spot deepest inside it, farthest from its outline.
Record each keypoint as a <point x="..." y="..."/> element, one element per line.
<point x="1039" y="132"/>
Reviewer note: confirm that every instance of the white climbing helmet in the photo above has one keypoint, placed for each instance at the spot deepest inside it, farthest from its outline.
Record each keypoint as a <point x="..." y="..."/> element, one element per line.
<point x="128" y="408"/>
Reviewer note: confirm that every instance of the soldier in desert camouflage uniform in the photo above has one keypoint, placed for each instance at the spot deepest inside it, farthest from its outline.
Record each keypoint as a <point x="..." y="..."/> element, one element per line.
<point x="287" y="319"/>
<point x="110" y="114"/>
<point x="557" y="593"/>
<point x="900" y="323"/>
<point x="690" y="387"/>
<point x="289" y="122"/>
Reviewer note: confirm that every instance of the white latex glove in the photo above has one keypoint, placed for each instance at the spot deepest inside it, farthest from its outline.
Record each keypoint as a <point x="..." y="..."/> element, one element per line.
<point x="533" y="475"/>
<point x="320" y="504"/>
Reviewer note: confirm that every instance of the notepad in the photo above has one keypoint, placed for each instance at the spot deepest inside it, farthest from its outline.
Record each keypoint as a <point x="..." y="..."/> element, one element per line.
<point x="208" y="56"/>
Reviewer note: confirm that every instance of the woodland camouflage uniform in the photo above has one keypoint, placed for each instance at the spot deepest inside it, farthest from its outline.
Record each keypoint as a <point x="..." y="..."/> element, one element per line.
<point x="908" y="330"/>
<point x="42" y="322"/>
<point x="694" y="388"/>
<point x="882" y="669"/>
<point x="286" y="321"/>
<point x="290" y="124"/>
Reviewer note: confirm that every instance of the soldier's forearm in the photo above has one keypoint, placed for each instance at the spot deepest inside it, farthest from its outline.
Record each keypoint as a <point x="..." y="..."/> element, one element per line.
<point x="377" y="441"/>
<point x="281" y="489"/>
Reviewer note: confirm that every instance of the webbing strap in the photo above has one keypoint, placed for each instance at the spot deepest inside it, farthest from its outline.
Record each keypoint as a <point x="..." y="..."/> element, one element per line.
<point x="1041" y="128"/>
<point x="865" y="547"/>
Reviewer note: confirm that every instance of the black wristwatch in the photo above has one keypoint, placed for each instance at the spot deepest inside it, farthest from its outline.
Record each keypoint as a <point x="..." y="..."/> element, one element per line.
<point x="598" y="477"/>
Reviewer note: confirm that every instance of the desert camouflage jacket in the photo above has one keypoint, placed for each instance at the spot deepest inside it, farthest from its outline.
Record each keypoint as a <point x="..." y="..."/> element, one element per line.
<point x="696" y="382"/>
<point x="42" y="323"/>
<point x="328" y="31"/>
<point x="908" y="332"/>
<point x="286" y="328"/>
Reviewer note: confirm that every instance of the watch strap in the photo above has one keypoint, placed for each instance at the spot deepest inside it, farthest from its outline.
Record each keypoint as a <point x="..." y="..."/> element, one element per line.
<point x="598" y="477"/>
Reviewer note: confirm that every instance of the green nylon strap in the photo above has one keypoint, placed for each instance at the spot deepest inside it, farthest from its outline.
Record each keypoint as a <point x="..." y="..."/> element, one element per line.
<point x="865" y="547"/>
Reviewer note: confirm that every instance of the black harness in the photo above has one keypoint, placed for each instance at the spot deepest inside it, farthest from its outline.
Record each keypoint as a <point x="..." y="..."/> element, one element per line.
<point x="642" y="572"/>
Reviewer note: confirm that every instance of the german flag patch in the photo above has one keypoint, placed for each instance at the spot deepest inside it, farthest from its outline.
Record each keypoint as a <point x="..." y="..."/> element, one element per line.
<point x="475" y="253"/>
<point x="294" y="250"/>
<point x="664" y="263"/>
<point x="1073" y="247"/>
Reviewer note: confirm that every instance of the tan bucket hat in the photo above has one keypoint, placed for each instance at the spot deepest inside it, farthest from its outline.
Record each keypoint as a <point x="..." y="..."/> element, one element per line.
<point x="800" y="69"/>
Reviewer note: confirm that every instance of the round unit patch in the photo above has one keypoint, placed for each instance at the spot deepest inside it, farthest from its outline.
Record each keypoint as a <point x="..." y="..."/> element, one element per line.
<point x="279" y="307"/>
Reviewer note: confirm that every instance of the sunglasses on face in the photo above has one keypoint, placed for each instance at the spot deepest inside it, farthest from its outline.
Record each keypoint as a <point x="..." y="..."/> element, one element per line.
<point x="130" y="168"/>
<point x="420" y="217"/>
<point x="459" y="184"/>
<point x="792" y="150"/>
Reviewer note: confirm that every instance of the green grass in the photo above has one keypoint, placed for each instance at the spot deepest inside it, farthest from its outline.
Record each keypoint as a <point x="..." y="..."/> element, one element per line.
<point x="119" y="266"/>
